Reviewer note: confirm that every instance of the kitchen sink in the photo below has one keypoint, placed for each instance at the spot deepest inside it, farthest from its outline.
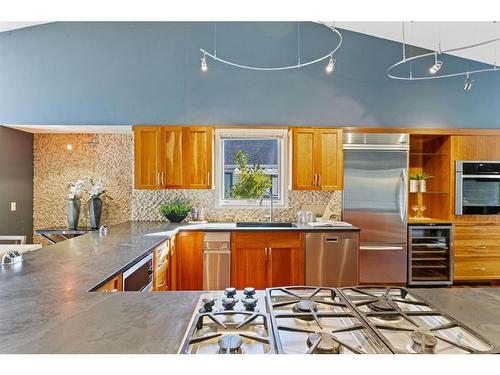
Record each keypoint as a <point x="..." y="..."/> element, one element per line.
<point x="249" y="224"/>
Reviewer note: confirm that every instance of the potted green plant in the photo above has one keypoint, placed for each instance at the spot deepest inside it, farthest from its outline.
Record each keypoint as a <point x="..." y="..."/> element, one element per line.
<point x="421" y="181"/>
<point x="176" y="210"/>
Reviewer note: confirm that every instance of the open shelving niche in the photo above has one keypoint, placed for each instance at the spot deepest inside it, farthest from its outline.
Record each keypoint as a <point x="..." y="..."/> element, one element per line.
<point x="430" y="154"/>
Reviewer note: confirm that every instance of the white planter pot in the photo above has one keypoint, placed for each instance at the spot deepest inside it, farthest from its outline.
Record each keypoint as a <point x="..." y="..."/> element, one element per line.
<point x="422" y="186"/>
<point x="413" y="186"/>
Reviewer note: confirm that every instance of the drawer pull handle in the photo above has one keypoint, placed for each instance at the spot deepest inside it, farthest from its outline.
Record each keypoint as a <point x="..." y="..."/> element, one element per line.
<point x="162" y="283"/>
<point x="479" y="247"/>
<point x="479" y="230"/>
<point x="479" y="268"/>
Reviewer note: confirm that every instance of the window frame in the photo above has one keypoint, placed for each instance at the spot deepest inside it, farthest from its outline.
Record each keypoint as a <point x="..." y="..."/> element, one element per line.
<point x="283" y="162"/>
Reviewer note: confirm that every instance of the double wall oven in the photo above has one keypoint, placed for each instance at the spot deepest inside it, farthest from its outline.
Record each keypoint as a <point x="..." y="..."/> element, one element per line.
<point x="477" y="187"/>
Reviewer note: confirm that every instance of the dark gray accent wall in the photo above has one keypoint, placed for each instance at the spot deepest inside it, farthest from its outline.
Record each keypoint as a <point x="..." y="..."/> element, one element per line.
<point x="16" y="182"/>
<point x="149" y="73"/>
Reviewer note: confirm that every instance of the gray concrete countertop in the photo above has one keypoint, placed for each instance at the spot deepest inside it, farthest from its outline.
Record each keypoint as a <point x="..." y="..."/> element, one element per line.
<point x="45" y="306"/>
<point x="479" y="308"/>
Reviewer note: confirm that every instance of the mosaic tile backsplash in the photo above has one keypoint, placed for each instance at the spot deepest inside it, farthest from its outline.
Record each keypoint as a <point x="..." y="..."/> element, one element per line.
<point x="145" y="205"/>
<point x="111" y="159"/>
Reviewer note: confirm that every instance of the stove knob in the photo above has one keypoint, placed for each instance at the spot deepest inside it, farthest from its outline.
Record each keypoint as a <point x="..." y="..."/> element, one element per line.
<point x="249" y="292"/>
<point x="228" y="303"/>
<point x="208" y="304"/>
<point x="230" y="292"/>
<point x="250" y="303"/>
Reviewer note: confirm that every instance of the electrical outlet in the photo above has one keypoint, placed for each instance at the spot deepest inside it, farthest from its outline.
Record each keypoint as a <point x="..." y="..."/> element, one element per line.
<point x="13" y="206"/>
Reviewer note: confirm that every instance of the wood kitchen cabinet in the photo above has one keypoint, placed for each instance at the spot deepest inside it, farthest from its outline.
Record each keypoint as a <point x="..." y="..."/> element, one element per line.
<point x="173" y="263"/>
<point x="317" y="159"/>
<point x="189" y="260"/>
<point x="173" y="157"/>
<point x="477" y="251"/>
<point x="161" y="267"/>
<point x="113" y="285"/>
<point x="198" y="148"/>
<point x="147" y="157"/>
<point x="267" y="259"/>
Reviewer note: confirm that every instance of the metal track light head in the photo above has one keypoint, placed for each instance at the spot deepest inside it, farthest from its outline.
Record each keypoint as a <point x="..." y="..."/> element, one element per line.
<point x="437" y="65"/>
<point x="468" y="83"/>
<point x="330" y="67"/>
<point x="204" y="66"/>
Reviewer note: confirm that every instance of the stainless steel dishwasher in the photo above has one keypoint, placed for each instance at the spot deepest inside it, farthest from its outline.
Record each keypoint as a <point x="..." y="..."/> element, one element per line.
<point x="332" y="258"/>
<point x="216" y="260"/>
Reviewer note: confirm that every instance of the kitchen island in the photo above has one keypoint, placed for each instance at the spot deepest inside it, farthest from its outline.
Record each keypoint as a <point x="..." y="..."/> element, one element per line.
<point x="45" y="306"/>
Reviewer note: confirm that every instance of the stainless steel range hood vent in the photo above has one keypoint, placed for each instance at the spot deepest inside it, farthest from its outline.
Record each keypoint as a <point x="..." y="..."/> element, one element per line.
<point x="373" y="141"/>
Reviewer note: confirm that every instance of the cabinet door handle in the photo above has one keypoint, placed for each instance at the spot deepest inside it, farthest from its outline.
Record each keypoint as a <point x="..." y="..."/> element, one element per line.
<point x="162" y="178"/>
<point x="315" y="180"/>
<point x="319" y="179"/>
<point x="265" y="249"/>
<point x="480" y="247"/>
<point x="479" y="268"/>
<point x="158" y="178"/>
<point x="162" y="283"/>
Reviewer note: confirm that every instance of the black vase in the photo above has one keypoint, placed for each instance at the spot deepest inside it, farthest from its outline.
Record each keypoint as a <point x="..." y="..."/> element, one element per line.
<point x="95" y="209"/>
<point x="73" y="212"/>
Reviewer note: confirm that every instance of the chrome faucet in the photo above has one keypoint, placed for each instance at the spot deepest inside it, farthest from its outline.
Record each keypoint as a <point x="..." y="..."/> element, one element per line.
<point x="271" y="207"/>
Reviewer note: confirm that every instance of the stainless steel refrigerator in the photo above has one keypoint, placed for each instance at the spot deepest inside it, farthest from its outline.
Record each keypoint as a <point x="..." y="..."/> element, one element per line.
<point x="375" y="200"/>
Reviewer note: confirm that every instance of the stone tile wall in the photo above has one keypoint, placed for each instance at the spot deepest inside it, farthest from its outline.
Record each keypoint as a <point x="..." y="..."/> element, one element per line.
<point x="111" y="159"/>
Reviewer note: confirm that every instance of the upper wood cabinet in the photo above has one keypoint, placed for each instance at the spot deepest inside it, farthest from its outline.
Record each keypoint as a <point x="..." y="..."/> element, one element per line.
<point x="317" y="159"/>
<point x="173" y="157"/>
<point x="198" y="148"/>
<point x="147" y="157"/>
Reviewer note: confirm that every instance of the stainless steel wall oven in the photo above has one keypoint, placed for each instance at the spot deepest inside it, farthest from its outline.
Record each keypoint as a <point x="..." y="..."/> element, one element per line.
<point x="477" y="187"/>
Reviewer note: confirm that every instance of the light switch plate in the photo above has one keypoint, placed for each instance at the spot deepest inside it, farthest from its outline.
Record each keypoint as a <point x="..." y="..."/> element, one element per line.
<point x="13" y="206"/>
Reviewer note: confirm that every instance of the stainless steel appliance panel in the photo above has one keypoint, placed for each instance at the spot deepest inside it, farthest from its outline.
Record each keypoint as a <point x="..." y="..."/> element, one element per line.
<point x="477" y="188"/>
<point x="375" y="194"/>
<point x="216" y="260"/>
<point x="139" y="277"/>
<point x="332" y="258"/>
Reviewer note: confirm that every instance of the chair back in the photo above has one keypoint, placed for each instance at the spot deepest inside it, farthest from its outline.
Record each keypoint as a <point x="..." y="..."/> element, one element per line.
<point x="12" y="240"/>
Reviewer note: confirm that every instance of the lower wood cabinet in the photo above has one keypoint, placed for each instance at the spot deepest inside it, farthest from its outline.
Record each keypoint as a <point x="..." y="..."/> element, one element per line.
<point x="173" y="263"/>
<point x="267" y="259"/>
<point x="477" y="252"/>
<point x="113" y="285"/>
<point x="189" y="261"/>
<point x="161" y="266"/>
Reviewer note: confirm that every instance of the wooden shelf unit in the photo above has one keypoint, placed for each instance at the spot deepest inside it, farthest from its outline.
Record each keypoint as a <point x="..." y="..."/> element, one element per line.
<point x="430" y="153"/>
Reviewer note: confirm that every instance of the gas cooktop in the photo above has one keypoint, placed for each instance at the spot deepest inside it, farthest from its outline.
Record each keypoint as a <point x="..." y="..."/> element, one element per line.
<point x="319" y="320"/>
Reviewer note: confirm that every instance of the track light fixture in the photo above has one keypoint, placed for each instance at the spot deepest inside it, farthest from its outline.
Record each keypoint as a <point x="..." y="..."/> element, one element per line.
<point x="410" y="76"/>
<point x="437" y="65"/>
<point x="204" y="66"/>
<point x="468" y="83"/>
<point x="330" y="67"/>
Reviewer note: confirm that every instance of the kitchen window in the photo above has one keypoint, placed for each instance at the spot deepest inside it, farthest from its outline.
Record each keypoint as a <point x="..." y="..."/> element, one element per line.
<point x="249" y="162"/>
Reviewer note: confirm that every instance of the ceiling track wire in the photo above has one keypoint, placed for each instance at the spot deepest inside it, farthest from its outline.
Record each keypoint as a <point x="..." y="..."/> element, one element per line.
<point x="466" y="73"/>
<point x="300" y="64"/>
